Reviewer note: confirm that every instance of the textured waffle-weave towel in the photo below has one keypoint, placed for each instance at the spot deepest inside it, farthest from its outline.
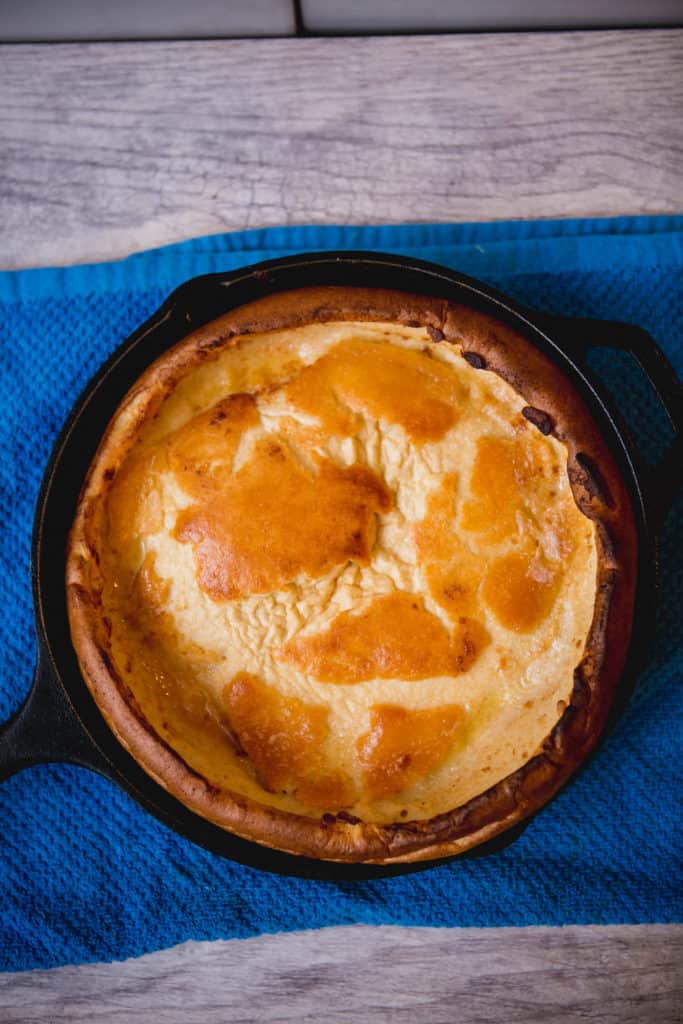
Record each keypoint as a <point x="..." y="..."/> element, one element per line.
<point x="85" y="874"/>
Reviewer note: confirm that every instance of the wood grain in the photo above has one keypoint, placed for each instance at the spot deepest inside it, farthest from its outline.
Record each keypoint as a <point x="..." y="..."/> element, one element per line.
<point x="615" y="975"/>
<point x="106" y="149"/>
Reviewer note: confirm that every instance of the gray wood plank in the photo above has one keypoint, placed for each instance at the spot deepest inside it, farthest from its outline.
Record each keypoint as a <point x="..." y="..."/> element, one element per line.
<point x="613" y="975"/>
<point x="47" y="20"/>
<point x="106" y="149"/>
<point x="487" y="15"/>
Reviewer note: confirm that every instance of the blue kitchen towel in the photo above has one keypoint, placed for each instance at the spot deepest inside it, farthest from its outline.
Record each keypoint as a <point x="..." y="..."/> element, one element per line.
<point x="85" y="874"/>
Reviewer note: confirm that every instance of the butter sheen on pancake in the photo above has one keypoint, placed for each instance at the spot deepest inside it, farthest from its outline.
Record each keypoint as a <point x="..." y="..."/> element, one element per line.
<point x="332" y="587"/>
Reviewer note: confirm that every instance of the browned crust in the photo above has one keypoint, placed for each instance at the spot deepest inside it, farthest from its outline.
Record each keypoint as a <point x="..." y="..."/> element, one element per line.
<point x="553" y="405"/>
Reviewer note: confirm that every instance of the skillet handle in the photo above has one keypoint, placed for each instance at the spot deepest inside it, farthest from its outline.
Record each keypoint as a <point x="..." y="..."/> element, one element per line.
<point x="46" y="728"/>
<point x="580" y="335"/>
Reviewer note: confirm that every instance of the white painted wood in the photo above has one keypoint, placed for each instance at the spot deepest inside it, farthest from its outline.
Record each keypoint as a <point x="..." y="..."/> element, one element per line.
<point x="626" y="975"/>
<point x="106" y="149"/>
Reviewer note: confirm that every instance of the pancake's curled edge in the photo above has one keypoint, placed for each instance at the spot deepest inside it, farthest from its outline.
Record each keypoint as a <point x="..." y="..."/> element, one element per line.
<point x="352" y="575"/>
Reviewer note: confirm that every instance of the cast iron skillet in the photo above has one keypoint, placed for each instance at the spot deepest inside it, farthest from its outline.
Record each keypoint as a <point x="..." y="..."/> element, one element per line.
<point x="60" y="721"/>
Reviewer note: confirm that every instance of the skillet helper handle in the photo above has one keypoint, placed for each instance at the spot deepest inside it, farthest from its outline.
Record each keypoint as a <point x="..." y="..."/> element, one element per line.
<point x="580" y="335"/>
<point x="45" y="728"/>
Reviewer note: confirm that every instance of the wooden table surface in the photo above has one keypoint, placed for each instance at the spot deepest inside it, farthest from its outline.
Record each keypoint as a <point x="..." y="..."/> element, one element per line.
<point x="111" y="148"/>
